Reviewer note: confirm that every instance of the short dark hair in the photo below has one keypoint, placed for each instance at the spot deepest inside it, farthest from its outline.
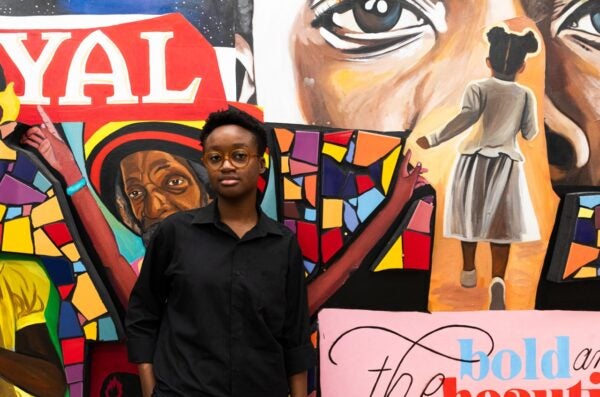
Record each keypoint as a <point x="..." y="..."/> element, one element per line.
<point x="508" y="50"/>
<point x="233" y="116"/>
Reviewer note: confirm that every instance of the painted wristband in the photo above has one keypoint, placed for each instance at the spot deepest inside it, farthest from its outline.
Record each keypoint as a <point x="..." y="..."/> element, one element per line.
<point x="77" y="186"/>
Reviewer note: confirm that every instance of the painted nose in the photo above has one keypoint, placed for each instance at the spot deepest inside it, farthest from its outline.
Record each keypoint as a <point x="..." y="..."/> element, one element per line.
<point x="156" y="204"/>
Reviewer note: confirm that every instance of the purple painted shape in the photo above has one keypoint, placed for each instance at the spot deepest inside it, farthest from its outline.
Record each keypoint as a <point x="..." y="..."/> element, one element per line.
<point x="15" y="192"/>
<point x="74" y="373"/>
<point x="306" y="146"/>
<point x="76" y="389"/>
<point x="11" y="166"/>
<point x="290" y="224"/>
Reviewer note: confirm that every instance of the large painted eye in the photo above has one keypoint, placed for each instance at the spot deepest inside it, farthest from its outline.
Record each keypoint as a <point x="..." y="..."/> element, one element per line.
<point x="583" y="17"/>
<point x="135" y="194"/>
<point x="373" y="27"/>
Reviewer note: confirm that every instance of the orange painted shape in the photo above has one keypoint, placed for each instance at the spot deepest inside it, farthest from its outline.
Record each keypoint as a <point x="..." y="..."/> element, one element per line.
<point x="284" y="139"/>
<point x="579" y="256"/>
<point x="371" y="147"/>
<point x="310" y="189"/>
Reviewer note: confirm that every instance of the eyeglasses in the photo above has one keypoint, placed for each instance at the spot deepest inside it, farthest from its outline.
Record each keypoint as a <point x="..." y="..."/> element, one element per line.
<point x="239" y="158"/>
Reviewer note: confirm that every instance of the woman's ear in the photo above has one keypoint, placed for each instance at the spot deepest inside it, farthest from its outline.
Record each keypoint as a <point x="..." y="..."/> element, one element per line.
<point x="488" y="63"/>
<point x="244" y="55"/>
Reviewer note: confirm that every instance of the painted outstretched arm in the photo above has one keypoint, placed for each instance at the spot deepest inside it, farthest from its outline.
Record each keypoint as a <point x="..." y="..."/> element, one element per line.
<point x="326" y="284"/>
<point x="55" y="151"/>
<point x="34" y="366"/>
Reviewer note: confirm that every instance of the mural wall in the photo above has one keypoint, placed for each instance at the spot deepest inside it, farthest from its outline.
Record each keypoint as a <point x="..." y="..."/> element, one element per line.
<point x="102" y="103"/>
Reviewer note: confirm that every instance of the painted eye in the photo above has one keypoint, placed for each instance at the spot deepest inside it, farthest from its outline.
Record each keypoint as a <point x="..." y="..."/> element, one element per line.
<point x="373" y="27"/>
<point x="583" y="18"/>
<point x="135" y="194"/>
<point x="177" y="181"/>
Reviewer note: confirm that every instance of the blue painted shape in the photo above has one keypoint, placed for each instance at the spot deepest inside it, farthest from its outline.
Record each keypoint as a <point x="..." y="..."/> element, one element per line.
<point x="78" y="267"/>
<point x="3" y="168"/>
<point x="350" y="218"/>
<point x="310" y="214"/>
<point x="68" y="325"/>
<point x="24" y="169"/>
<point x="106" y="329"/>
<point x="590" y="201"/>
<point x="299" y="181"/>
<point x="309" y="266"/>
<point x="269" y="200"/>
<point x="367" y="202"/>
<point x="41" y="182"/>
<point x="585" y="232"/>
<point x="333" y="178"/>
<point x="375" y="171"/>
<point x="350" y="154"/>
<point x="349" y="189"/>
<point x="353" y="201"/>
<point x="13" y="212"/>
<point x="59" y="270"/>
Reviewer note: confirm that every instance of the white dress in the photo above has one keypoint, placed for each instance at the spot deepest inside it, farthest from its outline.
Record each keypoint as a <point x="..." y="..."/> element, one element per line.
<point x="487" y="198"/>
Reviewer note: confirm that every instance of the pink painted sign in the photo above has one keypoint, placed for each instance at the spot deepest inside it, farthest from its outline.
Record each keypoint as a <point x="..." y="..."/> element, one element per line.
<point x="466" y="354"/>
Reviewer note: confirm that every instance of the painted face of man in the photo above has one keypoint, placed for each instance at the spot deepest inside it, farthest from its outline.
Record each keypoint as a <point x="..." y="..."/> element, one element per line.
<point x="232" y="161"/>
<point x="572" y="34"/>
<point x="158" y="184"/>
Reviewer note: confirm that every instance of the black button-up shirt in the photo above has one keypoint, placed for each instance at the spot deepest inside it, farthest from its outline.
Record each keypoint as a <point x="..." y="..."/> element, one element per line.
<point x="217" y="315"/>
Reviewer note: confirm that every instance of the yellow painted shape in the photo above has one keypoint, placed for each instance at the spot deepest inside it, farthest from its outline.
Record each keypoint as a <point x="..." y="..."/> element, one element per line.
<point x="267" y="159"/>
<point x="585" y="213"/>
<point x="7" y="153"/>
<point x="393" y="258"/>
<point x="586" y="272"/>
<point x="43" y="244"/>
<point x="291" y="191"/>
<point x="335" y="151"/>
<point x="371" y="147"/>
<point x="332" y="213"/>
<point x="86" y="298"/>
<point x="10" y="104"/>
<point x="71" y="252"/>
<point x="389" y="166"/>
<point x="91" y="331"/>
<point x="50" y="193"/>
<point x="17" y="236"/>
<point x="2" y="211"/>
<point x="285" y="164"/>
<point x="47" y="212"/>
<point x="284" y="139"/>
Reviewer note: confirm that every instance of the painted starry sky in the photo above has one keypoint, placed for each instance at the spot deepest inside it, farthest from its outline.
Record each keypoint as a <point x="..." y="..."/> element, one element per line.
<point x="213" y="18"/>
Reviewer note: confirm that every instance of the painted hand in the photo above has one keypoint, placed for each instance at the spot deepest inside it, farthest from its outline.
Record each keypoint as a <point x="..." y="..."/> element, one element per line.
<point x="47" y="141"/>
<point x="414" y="175"/>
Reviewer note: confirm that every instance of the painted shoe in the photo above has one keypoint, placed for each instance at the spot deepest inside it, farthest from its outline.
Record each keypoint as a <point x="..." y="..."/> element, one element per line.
<point x="497" y="294"/>
<point x="468" y="278"/>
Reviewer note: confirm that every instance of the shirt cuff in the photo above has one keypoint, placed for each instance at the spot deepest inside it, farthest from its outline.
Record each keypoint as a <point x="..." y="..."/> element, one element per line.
<point x="140" y="350"/>
<point x="299" y="359"/>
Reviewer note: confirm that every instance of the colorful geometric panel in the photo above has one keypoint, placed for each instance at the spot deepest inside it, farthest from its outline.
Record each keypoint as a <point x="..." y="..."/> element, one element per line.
<point x="310" y="189"/>
<point x="367" y="202"/>
<point x="585" y="231"/>
<point x="47" y="212"/>
<point x="291" y="191"/>
<point x="285" y="164"/>
<point x="364" y="183"/>
<point x="290" y="210"/>
<point x="371" y="147"/>
<point x="597" y="217"/>
<point x="91" y="330"/>
<point x="7" y="153"/>
<point x="24" y="169"/>
<point x="390" y="165"/>
<point x="17" y="236"/>
<point x="72" y="350"/>
<point x="417" y="250"/>
<point x="586" y="272"/>
<point x="351" y="221"/>
<point x="15" y="192"/>
<point x="299" y="167"/>
<point x="68" y="326"/>
<point x="585" y="212"/>
<point x="333" y="178"/>
<point x="334" y="151"/>
<point x="106" y="329"/>
<point x="70" y="251"/>
<point x="393" y="258"/>
<point x="58" y="233"/>
<point x="590" y="201"/>
<point x="421" y="218"/>
<point x="290" y="225"/>
<point x="86" y="298"/>
<point x="308" y="239"/>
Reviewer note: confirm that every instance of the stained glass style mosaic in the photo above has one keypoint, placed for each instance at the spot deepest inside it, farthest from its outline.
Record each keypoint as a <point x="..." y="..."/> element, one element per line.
<point x="578" y="239"/>
<point x="33" y="225"/>
<point x="333" y="182"/>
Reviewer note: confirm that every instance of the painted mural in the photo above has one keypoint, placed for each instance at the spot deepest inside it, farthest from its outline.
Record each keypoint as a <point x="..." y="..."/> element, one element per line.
<point x="102" y="103"/>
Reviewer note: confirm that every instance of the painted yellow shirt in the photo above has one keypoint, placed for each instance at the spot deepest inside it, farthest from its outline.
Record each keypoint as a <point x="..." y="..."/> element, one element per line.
<point x="24" y="293"/>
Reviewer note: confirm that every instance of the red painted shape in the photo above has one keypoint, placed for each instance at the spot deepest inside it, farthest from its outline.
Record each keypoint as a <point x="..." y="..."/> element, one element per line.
<point x="338" y="138"/>
<point x="65" y="290"/>
<point x="364" y="183"/>
<point x="308" y="240"/>
<point x="261" y="184"/>
<point x="72" y="350"/>
<point x="58" y="233"/>
<point x="417" y="250"/>
<point x="331" y="242"/>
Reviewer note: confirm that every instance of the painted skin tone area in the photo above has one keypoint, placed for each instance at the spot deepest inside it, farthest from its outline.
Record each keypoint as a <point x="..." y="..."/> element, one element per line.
<point x="356" y="71"/>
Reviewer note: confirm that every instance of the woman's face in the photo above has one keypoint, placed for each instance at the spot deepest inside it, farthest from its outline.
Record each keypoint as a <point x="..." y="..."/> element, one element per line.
<point x="386" y="64"/>
<point x="572" y="35"/>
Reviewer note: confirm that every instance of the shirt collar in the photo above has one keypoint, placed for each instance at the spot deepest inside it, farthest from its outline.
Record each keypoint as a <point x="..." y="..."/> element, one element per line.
<point x="210" y="214"/>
